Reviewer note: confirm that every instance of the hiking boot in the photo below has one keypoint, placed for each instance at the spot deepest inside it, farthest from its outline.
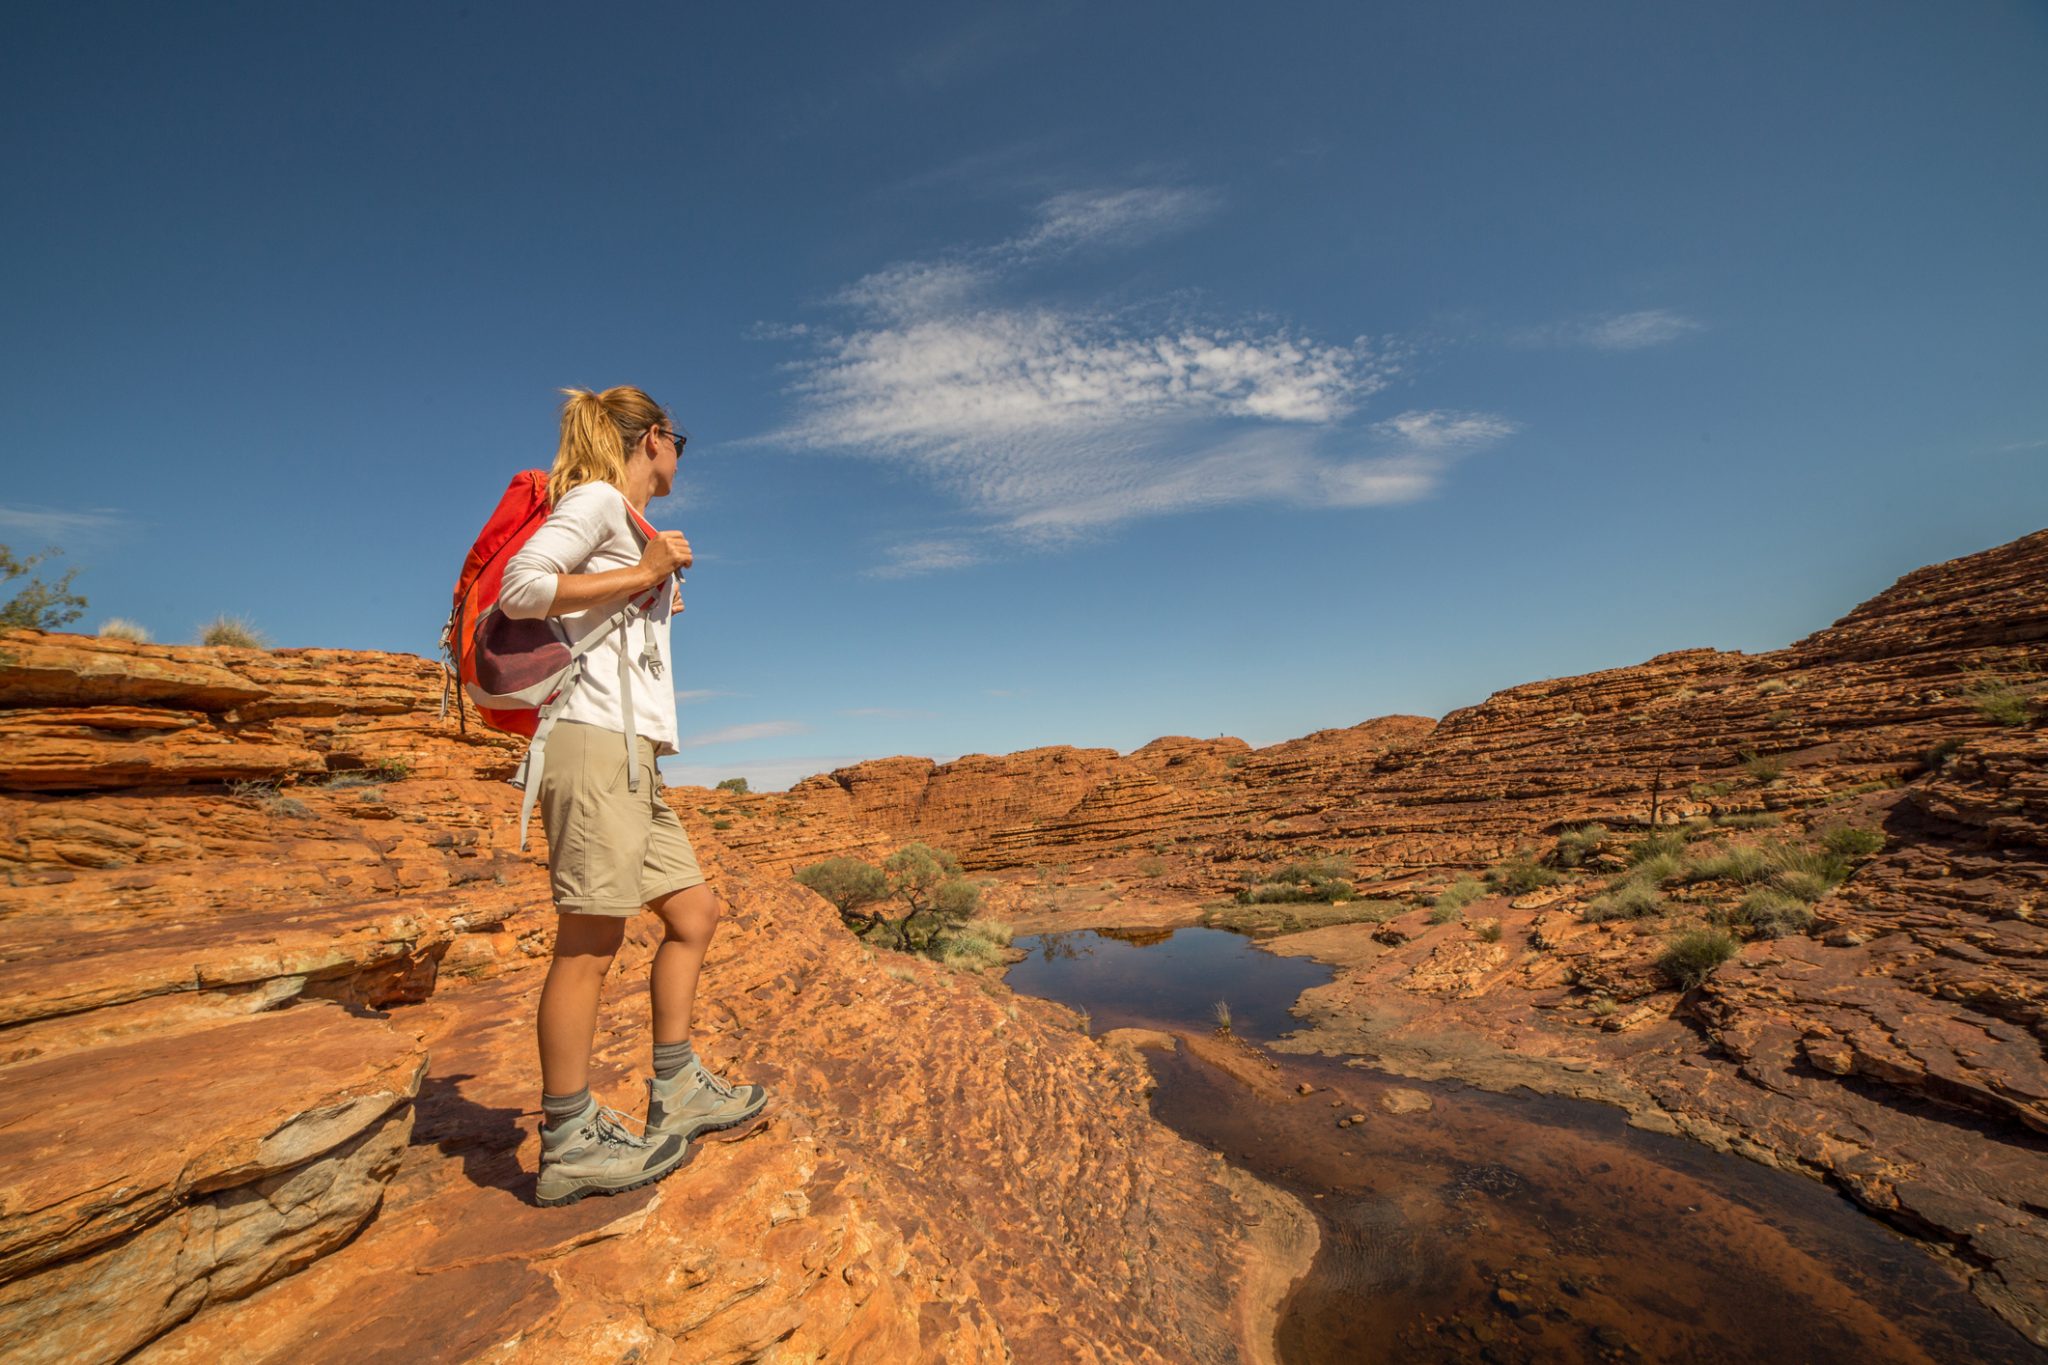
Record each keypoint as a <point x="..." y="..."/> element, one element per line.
<point x="596" y="1153"/>
<point x="694" y="1101"/>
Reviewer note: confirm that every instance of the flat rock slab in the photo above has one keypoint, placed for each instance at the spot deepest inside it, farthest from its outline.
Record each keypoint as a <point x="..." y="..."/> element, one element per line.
<point x="148" y="1179"/>
<point x="71" y="966"/>
<point x="38" y="669"/>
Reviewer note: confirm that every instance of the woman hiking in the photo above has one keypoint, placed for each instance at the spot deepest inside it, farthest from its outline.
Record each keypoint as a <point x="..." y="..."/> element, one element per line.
<point x="614" y="846"/>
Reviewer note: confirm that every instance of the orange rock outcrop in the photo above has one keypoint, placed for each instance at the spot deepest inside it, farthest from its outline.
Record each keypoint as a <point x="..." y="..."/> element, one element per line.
<point x="269" y="956"/>
<point x="1896" y="1049"/>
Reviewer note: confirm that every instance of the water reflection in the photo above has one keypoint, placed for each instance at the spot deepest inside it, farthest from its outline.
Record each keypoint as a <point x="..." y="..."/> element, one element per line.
<point x="1167" y="978"/>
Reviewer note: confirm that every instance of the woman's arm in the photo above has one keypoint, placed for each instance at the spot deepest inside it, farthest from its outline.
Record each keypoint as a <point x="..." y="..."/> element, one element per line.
<point x="538" y="581"/>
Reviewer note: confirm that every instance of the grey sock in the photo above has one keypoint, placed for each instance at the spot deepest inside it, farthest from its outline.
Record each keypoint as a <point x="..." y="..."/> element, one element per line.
<point x="557" y="1108"/>
<point x="670" y="1058"/>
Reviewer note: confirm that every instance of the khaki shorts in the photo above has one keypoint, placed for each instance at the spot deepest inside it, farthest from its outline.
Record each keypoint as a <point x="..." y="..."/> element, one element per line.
<point x="610" y="850"/>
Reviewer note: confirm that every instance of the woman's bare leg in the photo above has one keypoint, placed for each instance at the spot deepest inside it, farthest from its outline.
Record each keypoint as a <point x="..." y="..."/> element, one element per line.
<point x="688" y="919"/>
<point x="584" y="948"/>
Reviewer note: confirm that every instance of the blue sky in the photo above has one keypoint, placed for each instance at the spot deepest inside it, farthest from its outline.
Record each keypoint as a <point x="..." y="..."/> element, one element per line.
<point x="1058" y="373"/>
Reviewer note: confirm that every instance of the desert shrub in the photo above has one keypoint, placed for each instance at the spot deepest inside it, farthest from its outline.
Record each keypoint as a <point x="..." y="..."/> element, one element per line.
<point x="1700" y="791"/>
<point x="1762" y="769"/>
<point x="1574" y="846"/>
<point x="1771" y="913"/>
<point x="374" y="773"/>
<point x="1664" y="842"/>
<point x="721" y="824"/>
<point x="271" y="801"/>
<point x="1826" y="864"/>
<point x="1743" y="863"/>
<point x="1151" y="867"/>
<point x="1691" y="957"/>
<point x="1446" y="914"/>
<point x="735" y="785"/>
<point x="1771" y="685"/>
<point x="851" y="886"/>
<point x="1313" y="879"/>
<point x="1455" y="897"/>
<point x="1519" y="876"/>
<point x="1222" y="1015"/>
<point x="1853" y="841"/>
<point x="1659" y="869"/>
<point x="927" y="885"/>
<point x="121" y="628"/>
<point x="1628" y="899"/>
<point x="1802" y="886"/>
<point x="2000" y="700"/>
<point x="37" y="605"/>
<point x="232" y="632"/>
<point x="1778" y="717"/>
<point x="1488" y="930"/>
<point x="1752" y="819"/>
<point x="972" y="946"/>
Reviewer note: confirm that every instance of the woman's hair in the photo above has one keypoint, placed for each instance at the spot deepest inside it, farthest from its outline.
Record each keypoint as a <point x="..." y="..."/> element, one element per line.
<point x="597" y="431"/>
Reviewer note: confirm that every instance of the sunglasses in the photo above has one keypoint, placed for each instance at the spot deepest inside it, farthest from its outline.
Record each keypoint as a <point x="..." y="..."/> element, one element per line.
<point x="677" y="434"/>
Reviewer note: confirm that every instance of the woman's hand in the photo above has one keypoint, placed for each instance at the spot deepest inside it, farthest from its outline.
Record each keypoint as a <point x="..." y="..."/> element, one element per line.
<point x="667" y="552"/>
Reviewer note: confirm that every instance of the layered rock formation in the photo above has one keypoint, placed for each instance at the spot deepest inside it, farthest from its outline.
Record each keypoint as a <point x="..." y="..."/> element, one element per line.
<point x="1896" y="1049"/>
<point x="267" y="1088"/>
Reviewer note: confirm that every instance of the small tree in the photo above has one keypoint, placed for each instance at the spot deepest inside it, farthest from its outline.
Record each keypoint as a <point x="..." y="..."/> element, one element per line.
<point x="923" y="879"/>
<point x="38" y="605"/>
<point x="736" y="785"/>
<point x="852" y="886"/>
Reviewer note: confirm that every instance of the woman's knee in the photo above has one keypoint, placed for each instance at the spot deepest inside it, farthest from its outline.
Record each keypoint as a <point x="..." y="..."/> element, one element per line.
<point x="692" y="908"/>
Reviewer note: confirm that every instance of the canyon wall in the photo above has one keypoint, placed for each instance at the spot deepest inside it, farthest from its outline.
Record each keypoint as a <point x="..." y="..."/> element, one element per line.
<point x="269" y="957"/>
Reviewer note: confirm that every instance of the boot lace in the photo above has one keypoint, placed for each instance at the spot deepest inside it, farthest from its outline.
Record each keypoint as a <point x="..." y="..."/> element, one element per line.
<point x="714" y="1084"/>
<point x="611" y="1126"/>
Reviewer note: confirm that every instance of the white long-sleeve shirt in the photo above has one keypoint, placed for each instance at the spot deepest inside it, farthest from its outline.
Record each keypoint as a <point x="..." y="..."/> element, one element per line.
<point x="589" y="531"/>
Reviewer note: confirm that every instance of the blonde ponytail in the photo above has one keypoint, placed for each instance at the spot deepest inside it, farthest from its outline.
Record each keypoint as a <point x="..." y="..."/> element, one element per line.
<point x="598" y="429"/>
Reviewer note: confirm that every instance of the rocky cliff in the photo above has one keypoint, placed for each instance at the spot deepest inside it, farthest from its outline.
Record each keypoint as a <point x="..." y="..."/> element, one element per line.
<point x="267" y="1090"/>
<point x="1893" y="1045"/>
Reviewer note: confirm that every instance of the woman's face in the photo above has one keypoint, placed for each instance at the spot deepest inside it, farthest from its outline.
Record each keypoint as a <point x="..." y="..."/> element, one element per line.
<point x="665" y="449"/>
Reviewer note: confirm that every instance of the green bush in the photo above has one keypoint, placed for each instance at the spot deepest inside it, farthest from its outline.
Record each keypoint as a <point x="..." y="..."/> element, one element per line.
<point x="852" y="886"/>
<point x="1488" y="930"/>
<point x="1659" y="869"/>
<point x="1519" y="876"/>
<point x="232" y="632"/>
<point x="121" y="628"/>
<point x="1455" y="897"/>
<point x="1825" y="864"/>
<point x="1762" y="770"/>
<point x="1742" y="863"/>
<point x="1802" y="886"/>
<point x="1574" y="846"/>
<point x="721" y="824"/>
<point x="1629" y="899"/>
<point x="1313" y="879"/>
<point x="1755" y="819"/>
<point x="1664" y="842"/>
<point x="972" y="946"/>
<point x="736" y="785"/>
<point x="1691" y="957"/>
<point x="1853" y="841"/>
<point x="37" y="605"/>
<point x="1445" y="914"/>
<point x="1773" y="914"/>
<point x="2000" y="700"/>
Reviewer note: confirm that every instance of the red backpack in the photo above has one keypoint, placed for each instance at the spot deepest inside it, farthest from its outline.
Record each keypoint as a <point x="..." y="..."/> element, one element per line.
<point x="519" y="672"/>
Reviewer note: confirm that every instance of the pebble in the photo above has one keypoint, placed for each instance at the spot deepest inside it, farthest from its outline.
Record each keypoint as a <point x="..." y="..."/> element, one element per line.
<point x="1306" y="1089"/>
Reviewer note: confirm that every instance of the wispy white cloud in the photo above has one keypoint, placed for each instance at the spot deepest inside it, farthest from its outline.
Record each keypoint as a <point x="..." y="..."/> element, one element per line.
<point x="1612" y="331"/>
<point x="49" y="524"/>
<point x="1049" y="422"/>
<point x="914" y="557"/>
<point x="2015" y="447"/>
<point x="690" y="696"/>
<point x="741" y="734"/>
